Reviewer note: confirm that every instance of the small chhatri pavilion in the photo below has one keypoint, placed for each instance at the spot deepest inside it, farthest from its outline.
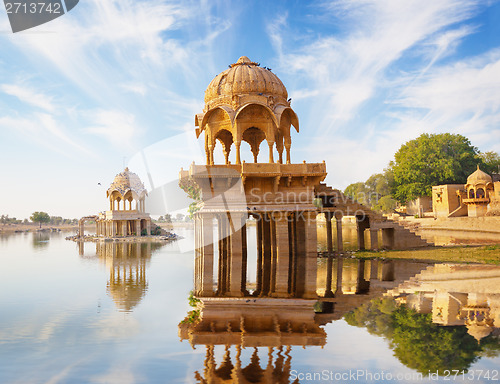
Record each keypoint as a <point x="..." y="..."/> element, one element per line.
<point x="479" y="186"/>
<point x="127" y="209"/>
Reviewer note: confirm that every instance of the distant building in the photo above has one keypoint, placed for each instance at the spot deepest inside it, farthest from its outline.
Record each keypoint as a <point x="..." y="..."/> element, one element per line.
<point x="127" y="209"/>
<point x="419" y="206"/>
<point x="479" y="197"/>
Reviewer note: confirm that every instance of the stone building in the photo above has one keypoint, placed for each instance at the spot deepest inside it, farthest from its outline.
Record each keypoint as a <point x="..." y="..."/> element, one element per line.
<point x="127" y="209"/>
<point x="246" y="109"/>
<point x="480" y="196"/>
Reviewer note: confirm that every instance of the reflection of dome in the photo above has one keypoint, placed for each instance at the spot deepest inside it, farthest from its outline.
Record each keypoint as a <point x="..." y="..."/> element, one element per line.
<point x="127" y="293"/>
<point x="479" y="331"/>
<point x="127" y="181"/>
<point x="479" y="177"/>
<point x="245" y="77"/>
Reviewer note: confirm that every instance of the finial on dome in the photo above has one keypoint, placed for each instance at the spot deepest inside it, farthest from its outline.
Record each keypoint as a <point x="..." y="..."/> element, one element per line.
<point x="126" y="169"/>
<point x="243" y="60"/>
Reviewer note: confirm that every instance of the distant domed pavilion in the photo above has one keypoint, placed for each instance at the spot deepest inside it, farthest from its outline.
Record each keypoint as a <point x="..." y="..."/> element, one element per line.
<point x="478" y="188"/>
<point x="127" y="208"/>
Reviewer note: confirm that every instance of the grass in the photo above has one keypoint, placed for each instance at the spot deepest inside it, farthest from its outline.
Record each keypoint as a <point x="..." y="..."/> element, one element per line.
<point x="489" y="254"/>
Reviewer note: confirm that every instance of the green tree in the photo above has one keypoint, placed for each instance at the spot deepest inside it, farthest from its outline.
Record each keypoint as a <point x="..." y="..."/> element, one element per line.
<point x="357" y="191"/>
<point x="491" y="162"/>
<point x="374" y="192"/>
<point x="194" y="192"/>
<point x="40" y="217"/>
<point x="432" y="159"/>
<point x="385" y="204"/>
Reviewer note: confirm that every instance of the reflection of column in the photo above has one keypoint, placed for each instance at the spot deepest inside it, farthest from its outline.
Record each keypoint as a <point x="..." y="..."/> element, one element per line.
<point x="340" y="245"/>
<point x="329" y="237"/>
<point x="373" y="238"/>
<point x="235" y="256"/>
<point x="362" y="286"/>
<point x="81" y="248"/>
<point x="266" y="254"/>
<point x="340" y="268"/>
<point x="311" y="255"/>
<point x="373" y="269"/>
<point x="329" y="272"/>
<point x="282" y="255"/>
<point x="258" y="288"/>
<point x="388" y="270"/>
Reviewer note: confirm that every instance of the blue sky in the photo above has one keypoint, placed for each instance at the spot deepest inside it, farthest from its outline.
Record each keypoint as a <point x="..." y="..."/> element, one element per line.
<point x="118" y="82"/>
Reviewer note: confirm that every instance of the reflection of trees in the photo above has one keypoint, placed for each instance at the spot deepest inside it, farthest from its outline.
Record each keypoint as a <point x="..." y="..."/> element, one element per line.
<point x="41" y="240"/>
<point x="417" y="342"/>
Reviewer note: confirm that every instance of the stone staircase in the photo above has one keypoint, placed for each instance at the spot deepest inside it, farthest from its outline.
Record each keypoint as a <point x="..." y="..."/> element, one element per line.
<point x="333" y="200"/>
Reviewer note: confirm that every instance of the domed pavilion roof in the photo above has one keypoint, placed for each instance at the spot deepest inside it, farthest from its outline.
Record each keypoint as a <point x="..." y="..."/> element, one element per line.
<point x="479" y="177"/>
<point x="127" y="181"/>
<point x="478" y="332"/>
<point x="245" y="77"/>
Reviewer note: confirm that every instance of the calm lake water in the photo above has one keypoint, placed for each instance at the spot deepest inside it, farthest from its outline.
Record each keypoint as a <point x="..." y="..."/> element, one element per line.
<point x="111" y="315"/>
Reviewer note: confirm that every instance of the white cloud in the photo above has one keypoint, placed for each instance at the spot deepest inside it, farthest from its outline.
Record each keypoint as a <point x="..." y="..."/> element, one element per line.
<point x="348" y="70"/>
<point x="118" y="127"/>
<point x="44" y="130"/>
<point x="137" y="88"/>
<point x="29" y="96"/>
<point x="459" y="98"/>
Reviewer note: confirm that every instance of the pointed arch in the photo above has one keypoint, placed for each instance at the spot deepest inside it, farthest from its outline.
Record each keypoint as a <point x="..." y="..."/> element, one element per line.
<point x="229" y="112"/>
<point x="281" y="110"/>
<point x="268" y="112"/>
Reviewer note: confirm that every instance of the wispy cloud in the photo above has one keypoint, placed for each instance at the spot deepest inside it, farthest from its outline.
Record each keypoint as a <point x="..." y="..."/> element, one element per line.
<point x="460" y="97"/>
<point x="45" y="131"/>
<point x="348" y="69"/>
<point x="29" y="96"/>
<point x="117" y="127"/>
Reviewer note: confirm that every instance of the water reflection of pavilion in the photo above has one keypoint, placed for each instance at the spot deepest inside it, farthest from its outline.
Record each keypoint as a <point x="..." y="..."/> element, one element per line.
<point x="127" y="263"/>
<point x="272" y="327"/>
<point x="456" y="294"/>
<point x="278" y="324"/>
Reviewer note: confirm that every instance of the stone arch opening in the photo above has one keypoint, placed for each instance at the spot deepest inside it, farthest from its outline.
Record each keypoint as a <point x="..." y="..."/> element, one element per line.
<point x="254" y="137"/>
<point x="257" y="116"/>
<point x="480" y="193"/>
<point x="226" y="139"/>
<point x="471" y="193"/>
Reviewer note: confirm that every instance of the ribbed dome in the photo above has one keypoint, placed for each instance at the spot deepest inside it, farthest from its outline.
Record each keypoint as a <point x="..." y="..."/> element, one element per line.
<point x="127" y="181"/>
<point x="245" y="77"/>
<point x="479" y="177"/>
